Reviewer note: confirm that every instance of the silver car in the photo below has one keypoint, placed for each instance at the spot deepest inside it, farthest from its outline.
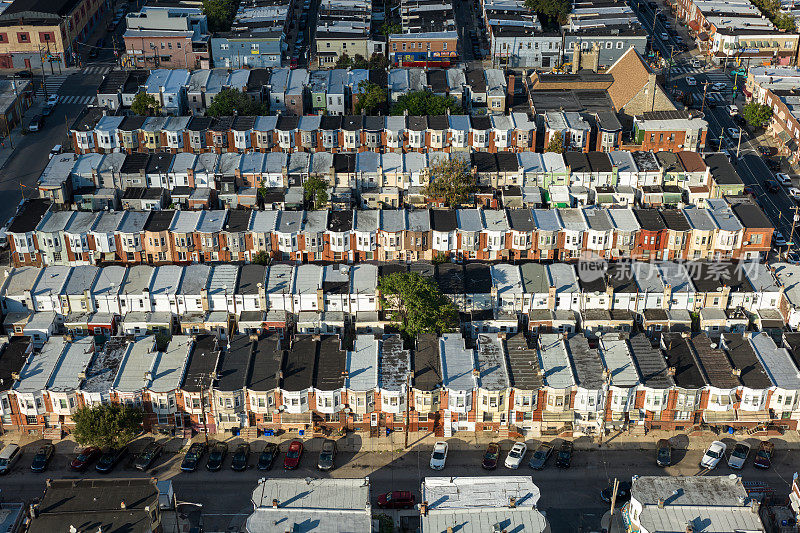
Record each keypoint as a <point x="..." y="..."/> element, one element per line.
<point x="739" y="455"/>
<point x="327" y="455"/>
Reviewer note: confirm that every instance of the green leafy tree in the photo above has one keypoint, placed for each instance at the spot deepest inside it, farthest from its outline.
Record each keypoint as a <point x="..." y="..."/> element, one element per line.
<point x="555" y="11"/>
<point x="784" y="21"/>
<point x="390" y="28"/>
<point x="145" y="105"/>
<point x="371" y="97"/>
<point x="556" y="144"/>
<point x="261" y="258"/>
<point x="315" y="190"/>
<point x="359" y="61"/>
<point x="220" y="14"/>
<point x="450" y="180"/>
<point x="343" y="61"/>
<point x="756" y="115"/>
<point x="378" y="62"/>
<point x="230" y="101"/>
<point x="425" y="103"/>
<point x="416" y="305"/>
<point x="107" y="424"/>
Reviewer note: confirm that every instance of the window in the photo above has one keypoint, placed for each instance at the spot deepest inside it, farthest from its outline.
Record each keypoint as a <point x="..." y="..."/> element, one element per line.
<point x="23" y="37"/>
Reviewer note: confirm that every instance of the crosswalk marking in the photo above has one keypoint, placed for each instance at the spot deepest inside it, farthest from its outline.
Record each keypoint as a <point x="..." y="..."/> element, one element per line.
<point x="52" y="83"/>
<point x="97" y="70"/>
<point x="684" y="69"/>
<point x="76" y="99"/>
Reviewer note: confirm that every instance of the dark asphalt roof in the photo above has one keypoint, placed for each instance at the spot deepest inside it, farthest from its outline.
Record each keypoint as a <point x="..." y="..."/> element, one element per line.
<point x="680" y="358"/>
<point x="267" y="362"/>
<point x="710" y="276"/>
<point x="743" y="359"/>
<point x="159" y="220"/>
<point x="521" y="219"/>
<point x="443" y="220"/>
<point x="250" y="276"/>
<point x="714" y="363"/>
<point x="330" y="364"/>
<point x="449" y="277"/>
<point x="751" y="216"/>
<point x="339" y="221"/>
<point x="234" y="364"/>
<point x="352" y="122"/>
<point x="586" y="362"/>
<point x="238" y="220"/>
<point x="134" y="163"/>
<point x="202" y="362"/>
<point x="29" y="216"/>
<point x="427" y="363"/>
<point x="722" y="171"/>
<point x="477" y="278"/>
<point x="650" y="363"/>
<point x="650" y="219"/>
<point x="12" y="360"/>
<point x="675" y="219"/>
<point x="298" y="367"/>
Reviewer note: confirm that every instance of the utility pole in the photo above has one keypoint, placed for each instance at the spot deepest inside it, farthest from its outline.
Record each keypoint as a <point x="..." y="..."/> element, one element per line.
<point x="613" y="500"/>
<point x="703" y="103"/>
<point x="408" y="405"/>
<point x="203" y="389"/>
<point x="795" y="219"/>
<point x="739" y="145"/>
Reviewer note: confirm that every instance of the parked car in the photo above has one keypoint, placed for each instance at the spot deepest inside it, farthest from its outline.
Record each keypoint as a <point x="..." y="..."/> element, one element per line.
<point x="540" y="456"/>
<point x="771" y="186"/>
<point x="734" y="133"/>
<point x="8" y="457"/>
<point x="216" y="456"/>
<point x="794" y="192"/>
<point x="663" y="453"/>
<point x="327" y="455"/>
<point x="399" y="499"/>
<point x="36" y="123"/>
<point x="515" y="455"/>
<point x="268" y="456"/>
<point x="623" y="492"/>
<point x="193" y="456"/>
<point x="110" y="459"/>
<point x="491" y="456"/>
<point x="42" y="458"/>
<point x="733" y="110"/>
<point x="439" y="455"/>
<point x="783" y="178"/>
<point x="148" y="456"/>
<point x="739" y="455"/>
<point x="696" y="63"/>
<point x="764" y="151"/>
<point x="719" y="86"/>
<point x="763" y="458"/>
<point x="564" y="457"/>
<point x="47" y="110"/>
<point x="52" y="100"/>
<point x="85" y="458"/>
<point x="664" y="36"/>
<point x="241" y="456"/>
<point x="293" y="455"/>
<point x="691" y="81"/>
<point x="714" y="453"/>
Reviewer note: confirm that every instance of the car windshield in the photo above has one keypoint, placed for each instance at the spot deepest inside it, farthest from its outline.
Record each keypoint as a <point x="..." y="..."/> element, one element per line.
<point x="712" y="454"/>
<point x="3" y="462"/>
<point x="563" y="455"/>
<point x="438" y="455"/>
<point x="266" y="454"/>
<point x="41" y="454"/>
<point x="292" y="454"/>
<point x="663" y="452"/>
<point x="216" y="455"/>
<point x="764" y="454"/>
<point x="740" y="452"/>
<point x="538" y="454"/>
<point x="325" y="455"/>
<point x="81" y="458"/>
<point x="514" y="453"/>
<point x="490" y="456"/>
<point x="192" y="454"/>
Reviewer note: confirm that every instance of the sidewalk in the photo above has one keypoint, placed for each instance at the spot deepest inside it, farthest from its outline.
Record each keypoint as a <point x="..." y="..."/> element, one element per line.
<point x="394" y="442"/>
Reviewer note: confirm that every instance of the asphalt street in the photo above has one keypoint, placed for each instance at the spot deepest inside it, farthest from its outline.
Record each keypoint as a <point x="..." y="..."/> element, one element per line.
<point x="567" y="496"/>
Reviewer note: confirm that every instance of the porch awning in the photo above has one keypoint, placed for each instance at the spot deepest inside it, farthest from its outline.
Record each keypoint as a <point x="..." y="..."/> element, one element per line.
<point x="694" y="25"/>
<point x="558" y="416"/>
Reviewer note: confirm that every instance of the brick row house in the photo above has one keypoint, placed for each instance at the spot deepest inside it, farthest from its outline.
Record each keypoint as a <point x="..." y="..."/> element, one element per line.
<point x="538" y="385"/>
<point x="722" y="231"/>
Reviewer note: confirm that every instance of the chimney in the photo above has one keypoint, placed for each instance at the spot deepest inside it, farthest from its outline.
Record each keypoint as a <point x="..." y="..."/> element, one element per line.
<point x="511" y="83"/>
<point x="423" y="508"/>
<point x="122" y="505"/>
<point x="512" y="503"/>
<point x="275" y="503"/>
<point x="689" y="528"/>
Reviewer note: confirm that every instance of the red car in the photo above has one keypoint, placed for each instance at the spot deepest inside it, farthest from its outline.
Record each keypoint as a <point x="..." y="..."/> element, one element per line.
<point x="399" y="499"/>
<point x="88" y="456"/>
<point x="293" y="454"/>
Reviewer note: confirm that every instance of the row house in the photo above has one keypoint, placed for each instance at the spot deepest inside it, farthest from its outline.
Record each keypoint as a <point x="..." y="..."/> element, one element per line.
<point x="547" y="384"/>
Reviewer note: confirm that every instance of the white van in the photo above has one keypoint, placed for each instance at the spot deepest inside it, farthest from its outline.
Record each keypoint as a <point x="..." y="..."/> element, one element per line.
<point x="8" y="457"/>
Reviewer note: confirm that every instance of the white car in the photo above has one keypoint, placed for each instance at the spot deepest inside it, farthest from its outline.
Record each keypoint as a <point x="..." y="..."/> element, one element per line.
<point x="733" y="110"/>
<point x="691" y="81"/>
<point x="794" y="192"/>
<point x="55" y="151"/>
<point x="713" y="454"/>
<point x="664" y="36"/>
<point x="516" y="454"/>
<point x="52" y="100"/>
<point x="439" y="455"/>
<point x="719" y="87"/>
<point x="739" y="455"/>
<point x="696" y="63"/>
<point x="783" y="178"/>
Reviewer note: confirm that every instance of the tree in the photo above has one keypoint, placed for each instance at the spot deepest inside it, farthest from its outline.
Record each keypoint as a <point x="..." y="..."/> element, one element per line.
<point x="315" y="190"/>
<point x="232" y="102"/>
<point x="390" y="28"/>
<point x="219" y="14"/>
<point x="371" y="97"/>
<point x="556" y="144"/>
<point x="343" y="61"/>
<point x="261" y="258"/>
<point x="784" y="21"/>
<point x="756" y="115"/>
<point x="378" y="62"/>
<point x="107" y="424"/>
<point x="145" y="105"/>
<point x="556" y="11"/>
<point x="359" y="61"/>
<point x="425" y="103"/>
<point x="416" y="305"/>
<point x="450" y="180"/>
